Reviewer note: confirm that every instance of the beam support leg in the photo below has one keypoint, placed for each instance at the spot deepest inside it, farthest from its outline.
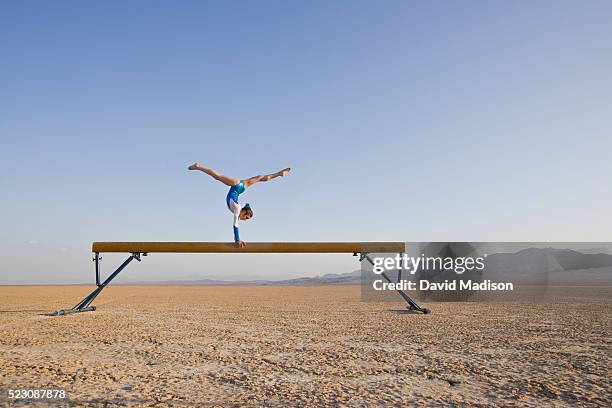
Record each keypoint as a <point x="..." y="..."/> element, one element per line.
<point x="84" y="305"/>
<point x="97" y="259"/>
<point x="412" y="305"/>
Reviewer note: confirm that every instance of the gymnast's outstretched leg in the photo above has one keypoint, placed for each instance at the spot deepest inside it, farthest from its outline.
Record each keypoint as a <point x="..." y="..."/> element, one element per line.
<point x="228" y="181"/>
<point x="250" y="181"/>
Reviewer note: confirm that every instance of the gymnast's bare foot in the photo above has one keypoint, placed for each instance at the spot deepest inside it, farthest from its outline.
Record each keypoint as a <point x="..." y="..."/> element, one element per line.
<point x="194" y="166"/>
<point x="284" y="171"/>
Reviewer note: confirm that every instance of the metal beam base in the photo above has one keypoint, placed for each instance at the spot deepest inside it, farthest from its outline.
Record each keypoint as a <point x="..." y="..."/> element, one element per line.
<point x="63" y="312"/>
<point x="411" y="304"/>
<point x="84" y="305"/>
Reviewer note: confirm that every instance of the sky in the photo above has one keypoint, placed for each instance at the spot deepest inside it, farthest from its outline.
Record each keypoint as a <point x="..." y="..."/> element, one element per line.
<point x="402" y="121"/>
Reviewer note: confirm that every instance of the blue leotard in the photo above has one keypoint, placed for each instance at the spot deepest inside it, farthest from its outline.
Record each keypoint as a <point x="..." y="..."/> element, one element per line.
<point x="232" y="204"/>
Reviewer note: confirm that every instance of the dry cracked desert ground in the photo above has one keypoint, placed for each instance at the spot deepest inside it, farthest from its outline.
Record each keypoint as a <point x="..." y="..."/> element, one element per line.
<point x="300" y="346"/>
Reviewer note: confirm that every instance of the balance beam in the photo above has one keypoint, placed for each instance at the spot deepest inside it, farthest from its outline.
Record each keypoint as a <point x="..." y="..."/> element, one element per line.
<point x="139" y="249"/>
<point x="250" y="248"/>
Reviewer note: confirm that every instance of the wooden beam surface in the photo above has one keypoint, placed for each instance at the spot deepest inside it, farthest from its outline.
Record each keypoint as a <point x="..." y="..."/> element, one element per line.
<point x="253" y="247"/>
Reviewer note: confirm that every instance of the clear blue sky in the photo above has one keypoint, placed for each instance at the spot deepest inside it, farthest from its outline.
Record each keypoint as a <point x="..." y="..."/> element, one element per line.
<point x="403" y="120"/>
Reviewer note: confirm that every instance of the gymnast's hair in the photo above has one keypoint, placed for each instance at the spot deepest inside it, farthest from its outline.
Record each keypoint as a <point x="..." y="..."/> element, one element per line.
<point x="248" y="210"/>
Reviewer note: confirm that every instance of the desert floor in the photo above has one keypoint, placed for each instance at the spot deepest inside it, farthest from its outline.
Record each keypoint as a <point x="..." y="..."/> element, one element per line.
<point x="295" y="345"/>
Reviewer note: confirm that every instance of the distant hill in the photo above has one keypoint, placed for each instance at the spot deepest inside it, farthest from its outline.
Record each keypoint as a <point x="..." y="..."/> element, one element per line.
<point x="550" y="266"/>
<point x="550" y="259"/>
<point x="330" y="278"/>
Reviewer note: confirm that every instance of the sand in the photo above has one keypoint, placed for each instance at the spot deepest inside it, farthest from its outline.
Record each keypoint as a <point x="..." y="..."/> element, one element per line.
<point x="304" y="346"/>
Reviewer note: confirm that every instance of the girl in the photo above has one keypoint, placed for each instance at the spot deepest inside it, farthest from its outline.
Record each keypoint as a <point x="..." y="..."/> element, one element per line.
<point x="237" y="187"/>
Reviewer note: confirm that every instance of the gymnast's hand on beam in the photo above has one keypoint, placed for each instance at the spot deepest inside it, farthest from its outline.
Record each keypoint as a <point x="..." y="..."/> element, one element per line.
<point x="240" y="244"/>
